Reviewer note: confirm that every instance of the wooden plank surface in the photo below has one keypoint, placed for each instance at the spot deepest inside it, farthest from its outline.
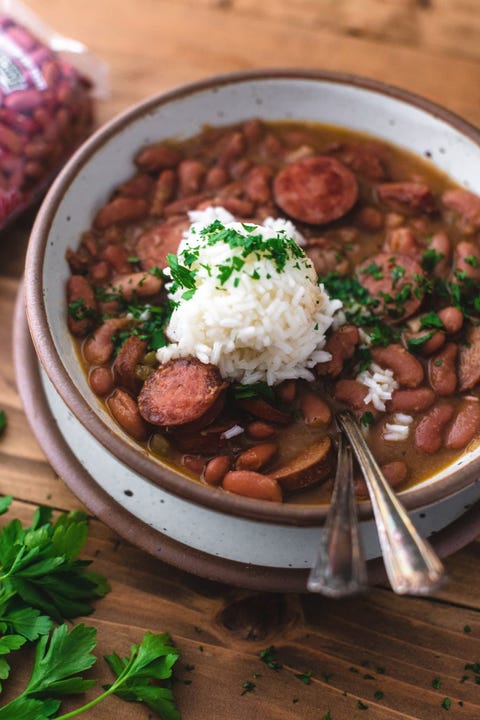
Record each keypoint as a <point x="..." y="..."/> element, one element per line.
<point x="353" y="648"/>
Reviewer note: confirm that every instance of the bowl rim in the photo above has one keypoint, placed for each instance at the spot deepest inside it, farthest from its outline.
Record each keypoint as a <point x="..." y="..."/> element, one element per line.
<point x="137" y="458"/>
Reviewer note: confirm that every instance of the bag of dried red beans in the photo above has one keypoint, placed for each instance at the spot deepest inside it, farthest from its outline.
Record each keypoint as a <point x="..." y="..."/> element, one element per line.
<point x="47" y="83"/>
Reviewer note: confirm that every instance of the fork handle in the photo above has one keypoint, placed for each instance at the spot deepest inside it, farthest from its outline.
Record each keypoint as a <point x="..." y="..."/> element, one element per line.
<point x="412" y="565"/>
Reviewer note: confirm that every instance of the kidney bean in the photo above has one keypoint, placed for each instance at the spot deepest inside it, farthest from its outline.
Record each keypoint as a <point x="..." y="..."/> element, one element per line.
<point x="190" y="176"/>
<point x="467" y="260"/>
<point x="466" y="204"/>
<point x="255" y="458"/>
<point x="141" y="284"/>
<point x="237" y="206"/>
<point x="286" y="391"/>
<point x="312" y="465"/>
<point x="452" y="319"/>
<point x="216" y="469"/>
<point x="410" y="197"/>
<point x="253" y="130"/>
<point x="411" y="401"/>
<point x="351" y="392"/>
<point x="341" y="344"/>
<point x="130" y="355"/>
<point x="265" y="411"/>
<point x="178" y="207"/>
<point x="82" y="305"/>
<point x="23" y="100"/>
<point x="429" y="431"/>
<point x="139" y="185"/>
<point x="366" y="158"/>
<point x="465" y="425"/>
<point x="98" y="349"/>
<point x="370" y="219"/>
<point x="234" y="145"/>
<point x="120" y="210"/>
<point x="258" y="184"/>
<point x="430" y="345"/>
<point x="195" y="463"/>
<point x="407" y="370"/>
<point x="117" y="257"/>
<point x="469" y="360"/>
<point x="163" y="192"/>
<point x="442" y="246"/>
<point x="442" y="372"/>
<point x="125" y="411"/>
<point x="215" y="178"/>
<point x="157" y="157"/>
<point x="315" y="410"/>
<point x="100" y="272"/>
<point x="100" y="380"/>
<point x="402" y="240"/>
<point x="252" y="484"/>
<point x="395" y="473"/>
<point x="239" y="168"/>
<point x="259" y="430"/>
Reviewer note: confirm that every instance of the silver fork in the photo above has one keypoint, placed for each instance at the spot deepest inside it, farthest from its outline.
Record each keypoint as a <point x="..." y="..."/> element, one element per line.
<point x="412" y="565"/>
<point x="340" y="569"/>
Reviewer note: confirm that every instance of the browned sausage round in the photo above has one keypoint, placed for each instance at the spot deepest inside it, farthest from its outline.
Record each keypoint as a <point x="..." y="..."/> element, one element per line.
<point x="442" y="372"/>
<point x="155" y="244"/>
<point x="315" y="190"/>
<point x="252" y="484"/>
<point x="465" y="426"/>
<point x="181" y="391"/>
<point x="429" y="431"/>
<point x="395" y="280"/>
<point x="312" y="465"/>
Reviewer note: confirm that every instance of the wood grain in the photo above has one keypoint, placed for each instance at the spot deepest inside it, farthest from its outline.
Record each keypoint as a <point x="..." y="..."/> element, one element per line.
<point x="381" y="642"/>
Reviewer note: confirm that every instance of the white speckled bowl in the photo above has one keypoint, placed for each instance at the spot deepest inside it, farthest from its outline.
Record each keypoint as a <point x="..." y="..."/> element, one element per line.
<point x="86" y="183"/>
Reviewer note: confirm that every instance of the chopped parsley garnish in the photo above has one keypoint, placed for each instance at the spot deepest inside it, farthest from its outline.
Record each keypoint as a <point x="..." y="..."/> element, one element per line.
<point x="397" y="273"/>
<point x="268" y="657"/>
<point x="262" y="389"/>
<point x="413" y="343"/>
<point x="373" y="270"/>
<point x="305" y="677"/>
<point x="430" y="259"/>
<point x="79" y="311"/>
<point x="181" y="275"/>
<point x="431" y="320"/>
<point x="439" y="362"/>
<point x="362" y="706"/>
<point x="367" y="419"/>
<point x="446" y="703"/>
<point x="467" y="629"/>
<point x="248" y="687"/>
<point x="3" y="421"/>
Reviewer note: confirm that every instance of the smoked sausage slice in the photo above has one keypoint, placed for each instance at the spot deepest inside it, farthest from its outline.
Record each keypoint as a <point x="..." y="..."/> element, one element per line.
<point x="181" y="391"/>
<point x="311" y="466"/>
<point x="395" y="280"/>
<point x="315" y="190"/>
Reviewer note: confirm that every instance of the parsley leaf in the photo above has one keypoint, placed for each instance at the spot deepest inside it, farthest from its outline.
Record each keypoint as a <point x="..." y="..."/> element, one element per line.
<point x="3" y="421"/>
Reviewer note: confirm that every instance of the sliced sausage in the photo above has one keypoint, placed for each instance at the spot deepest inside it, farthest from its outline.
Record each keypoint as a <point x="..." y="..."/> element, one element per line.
<point x="411" y="197"/>
<point x="465" y="426"/>
<point x="312" y="465"/>
<point x="396" y="281"/>
<point x="469" y="360"/>
<point x="181" y="391"/>
<point x="341" y="344"/>
<point x="466" y="204"/>
<point x="429" y="431"/>
<point x="155" y="244"/>
<point x="131" y="352"/>
<point x="252" y="484"/>
<point x="411" y="401"/>
<point x="442" y="372"/>
<point x="81" y="304"/>
<point x="407" y="370"/>
<point x="315" y="190"/>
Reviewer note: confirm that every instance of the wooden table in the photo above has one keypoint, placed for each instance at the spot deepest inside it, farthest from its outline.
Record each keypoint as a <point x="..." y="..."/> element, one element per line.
<point x="353" y="648"/>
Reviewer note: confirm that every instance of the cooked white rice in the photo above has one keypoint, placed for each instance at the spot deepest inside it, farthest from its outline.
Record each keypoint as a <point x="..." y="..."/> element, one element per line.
<point x="399" y="429"/>
<point x="263" y="323"/>
<point x="380" y="383"/>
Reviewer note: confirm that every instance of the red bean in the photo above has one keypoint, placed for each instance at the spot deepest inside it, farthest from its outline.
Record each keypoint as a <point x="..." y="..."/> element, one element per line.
<point x="315" y="410"/>
<point x="252" y="484"/>
<point x="139" y="185"/>
<point x="141" y="284"/>
<point x="469" y="360"/>
<point x="433" y="341"/>
<point x="395" y="472"/>
<point x="262" y="409"/>
<point x="407" y="370"/>
<point x="117" y="256"/>
<point x="255" y="458"/>
<point x="190" y="176"/>
<point x="442" y="248"/>
<point x="467" y="204"/>
<point x="411" y="401"/>
<point x="286" y="391"/>
<point x="157" y="157"/>
<point x="216" y="178"/>
<point x="442" y="372"/>
<point x="402" y="240"/>
<point x="259" y="430"/>
<point x="452" y="319"/>
<point x="216" y="469"/>
<point x="178" y="207"/>
<point x="98" y="349"/>
<point x="467" y="260"/>
<point x="234" y="145"/>
<point x="121" y="210"/>
<point x="465" y="426"/>
<point x="162" y="192"/>
<point x="411" y="197"/>
<point x="125" y="411"/>
<point x="341" y="344"/>
<point x="82" y="305"/>
<point x="258" y="184"/>
<point x="387" y="276"/>
<point x="429" y="431"/>
<point x="101" y="381"/>
<point x="370" y="219"/>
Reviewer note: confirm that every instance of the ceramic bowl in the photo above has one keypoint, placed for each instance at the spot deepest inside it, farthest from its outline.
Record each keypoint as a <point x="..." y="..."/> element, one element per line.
<point x="87" y="181"/>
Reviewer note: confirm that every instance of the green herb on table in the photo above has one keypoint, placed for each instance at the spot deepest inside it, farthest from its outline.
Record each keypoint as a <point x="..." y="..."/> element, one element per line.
<point x="362" y="706"/>
<point x="467" y="629"/>
<point x="305" y="677"/>
<point x="446" y="703"/>
<point x="268" y="657"/>
<point x="248" y="687"/>
<point x="436" y="683"/>
<point x="378" y="695"/>
<point x="3" y="421"/>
